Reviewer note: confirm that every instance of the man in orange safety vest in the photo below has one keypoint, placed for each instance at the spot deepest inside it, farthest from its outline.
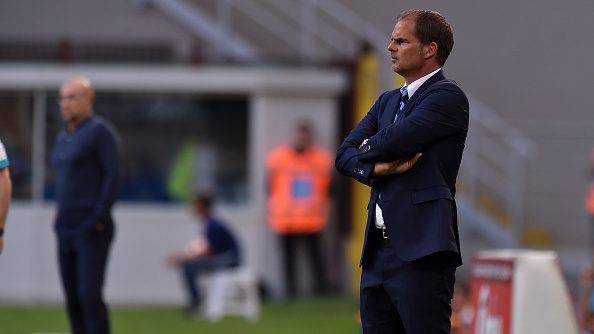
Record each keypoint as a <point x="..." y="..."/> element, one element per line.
<point x="299" y="177"/>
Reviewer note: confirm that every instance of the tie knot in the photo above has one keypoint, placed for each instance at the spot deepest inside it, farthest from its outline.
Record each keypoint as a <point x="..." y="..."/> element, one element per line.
<point x="404" y="93"/>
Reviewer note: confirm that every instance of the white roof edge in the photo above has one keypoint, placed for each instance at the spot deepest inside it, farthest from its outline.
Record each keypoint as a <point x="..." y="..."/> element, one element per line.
<point x="178" y="78"/>
<point x="510" y="254"/>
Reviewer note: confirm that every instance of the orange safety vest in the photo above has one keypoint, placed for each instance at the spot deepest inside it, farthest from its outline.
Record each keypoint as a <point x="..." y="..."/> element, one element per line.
<point x="299" y="190"/>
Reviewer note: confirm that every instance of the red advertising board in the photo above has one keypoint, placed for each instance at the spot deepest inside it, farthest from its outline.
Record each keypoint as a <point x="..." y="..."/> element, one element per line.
<point x="491" y="293"/>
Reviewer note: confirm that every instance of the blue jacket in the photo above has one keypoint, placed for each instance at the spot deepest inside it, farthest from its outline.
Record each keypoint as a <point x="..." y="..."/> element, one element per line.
<point x="86" y="163"/>
<point x="220" y="238"/>
<point x="418" y="206"/>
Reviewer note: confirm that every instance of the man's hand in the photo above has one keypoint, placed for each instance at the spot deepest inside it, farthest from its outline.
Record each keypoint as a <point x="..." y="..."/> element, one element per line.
<point x="177" y="259"/>
<point x="395" y="167"/>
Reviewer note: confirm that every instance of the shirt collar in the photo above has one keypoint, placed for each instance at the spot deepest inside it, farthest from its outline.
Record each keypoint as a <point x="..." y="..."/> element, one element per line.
<point x="412" y="87"/>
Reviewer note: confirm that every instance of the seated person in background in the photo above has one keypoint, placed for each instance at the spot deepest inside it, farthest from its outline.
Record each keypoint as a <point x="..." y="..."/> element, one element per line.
<point x="215" y="249"/>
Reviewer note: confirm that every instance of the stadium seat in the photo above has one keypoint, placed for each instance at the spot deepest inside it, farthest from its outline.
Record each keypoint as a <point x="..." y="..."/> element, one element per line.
<point x="232" y="292"/>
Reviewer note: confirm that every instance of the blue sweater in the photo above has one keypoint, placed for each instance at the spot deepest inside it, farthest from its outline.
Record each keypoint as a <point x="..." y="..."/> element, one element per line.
<point x="86" y="162"/>
<point x="220" y="238"/>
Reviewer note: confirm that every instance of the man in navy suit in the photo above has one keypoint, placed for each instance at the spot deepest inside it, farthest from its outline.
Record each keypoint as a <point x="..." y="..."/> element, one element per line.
<point x="408" y="149"/>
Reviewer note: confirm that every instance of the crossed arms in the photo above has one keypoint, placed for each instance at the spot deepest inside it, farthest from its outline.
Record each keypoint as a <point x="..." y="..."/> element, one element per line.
<point x="394" y="149"/>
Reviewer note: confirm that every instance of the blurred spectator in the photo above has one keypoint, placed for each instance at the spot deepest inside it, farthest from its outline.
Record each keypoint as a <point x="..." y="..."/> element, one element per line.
<point x="20" y="171"/>
<point x="299" y="177"/>
<point x="86" y="161"/>
<point x="5" y="192"/>
<point x="590" y="200"/>
<point x="586" y="300"/>
<point x="194" y="171"/>
<point x="215" y="249"/>
<point x="590" y="210"/>
<point x="462" y="310"/>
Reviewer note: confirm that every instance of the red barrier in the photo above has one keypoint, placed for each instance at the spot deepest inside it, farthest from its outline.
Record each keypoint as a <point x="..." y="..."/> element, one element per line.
<point x="491" y="293"/>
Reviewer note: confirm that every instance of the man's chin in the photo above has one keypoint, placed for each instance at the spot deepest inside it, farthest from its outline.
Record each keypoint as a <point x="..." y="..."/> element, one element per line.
<point x="399" y="70"/>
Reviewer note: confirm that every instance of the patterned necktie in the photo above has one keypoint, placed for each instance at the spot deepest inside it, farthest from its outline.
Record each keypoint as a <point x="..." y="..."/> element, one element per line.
<point x="403" y="101"/>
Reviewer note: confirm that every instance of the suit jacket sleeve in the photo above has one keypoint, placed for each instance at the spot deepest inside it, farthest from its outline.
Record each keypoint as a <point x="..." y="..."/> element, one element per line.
<point x="443" y="113"/>
<point x="347" y="158"/>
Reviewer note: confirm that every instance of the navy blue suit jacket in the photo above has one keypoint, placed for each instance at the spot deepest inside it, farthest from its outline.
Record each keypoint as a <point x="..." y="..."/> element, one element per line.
<point x="418" y="206"/>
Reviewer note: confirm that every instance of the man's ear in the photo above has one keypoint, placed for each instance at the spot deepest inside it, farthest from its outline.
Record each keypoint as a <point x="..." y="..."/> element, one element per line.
<point x="430" y="50"/>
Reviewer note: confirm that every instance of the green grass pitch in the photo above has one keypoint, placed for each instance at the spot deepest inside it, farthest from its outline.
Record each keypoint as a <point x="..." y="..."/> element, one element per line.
<point x="306" y="316"/>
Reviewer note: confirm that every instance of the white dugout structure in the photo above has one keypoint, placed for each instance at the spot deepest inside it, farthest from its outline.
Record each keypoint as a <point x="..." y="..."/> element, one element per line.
<point x="147" y="232"/>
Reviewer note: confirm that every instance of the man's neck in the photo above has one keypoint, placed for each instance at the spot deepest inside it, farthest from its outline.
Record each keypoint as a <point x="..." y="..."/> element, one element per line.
<point x="421" y="73"/>
<point x="301" y="150"/>
<point x="74" y="124"/>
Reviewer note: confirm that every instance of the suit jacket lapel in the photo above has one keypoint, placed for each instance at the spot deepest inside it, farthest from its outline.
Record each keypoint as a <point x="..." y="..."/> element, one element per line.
<point x="435" y="78"/>
<point x="391" y="109"/>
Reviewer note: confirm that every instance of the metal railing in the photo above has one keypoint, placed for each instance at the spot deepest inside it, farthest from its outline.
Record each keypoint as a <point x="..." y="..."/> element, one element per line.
<point x="493" y="173"/>
<point x="323" y="28"/>
<point x="203" y="26"/>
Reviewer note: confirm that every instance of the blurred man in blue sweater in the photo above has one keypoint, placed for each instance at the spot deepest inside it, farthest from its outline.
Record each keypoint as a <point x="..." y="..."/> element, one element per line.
<point x="86" y="161"/>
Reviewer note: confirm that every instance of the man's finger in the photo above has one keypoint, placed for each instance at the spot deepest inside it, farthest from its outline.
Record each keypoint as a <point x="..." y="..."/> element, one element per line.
<point x="416" y="158"/>
<point x="409" y="163"/>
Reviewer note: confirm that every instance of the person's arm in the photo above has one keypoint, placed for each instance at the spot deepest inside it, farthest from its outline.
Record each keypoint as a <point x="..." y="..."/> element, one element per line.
<point x="5" y="199"/>
<point x="400" y="166"/>
<point x="443" y="113"/>
<point x="196" y="248"/>
<point x="108" y="156"/>
<point x="347" y="161"/>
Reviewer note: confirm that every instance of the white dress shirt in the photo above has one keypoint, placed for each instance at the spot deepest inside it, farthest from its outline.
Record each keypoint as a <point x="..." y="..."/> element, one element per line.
<point x="411" y="89"/>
